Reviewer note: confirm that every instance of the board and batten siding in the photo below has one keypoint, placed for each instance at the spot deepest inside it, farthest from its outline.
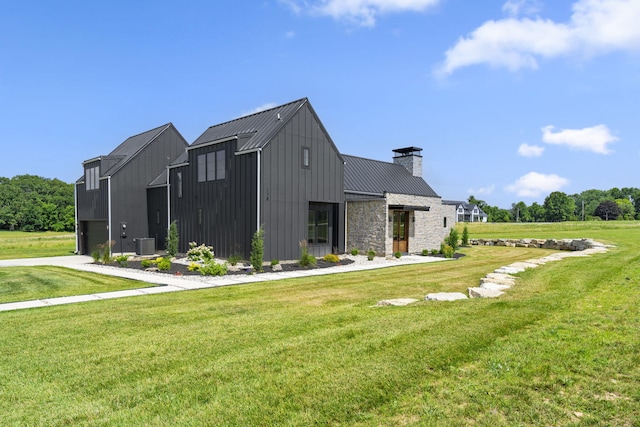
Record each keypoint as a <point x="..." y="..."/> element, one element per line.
<point x="287" y="187"/>
<point x="129" y="187"/>
<point x="228" y="205"/>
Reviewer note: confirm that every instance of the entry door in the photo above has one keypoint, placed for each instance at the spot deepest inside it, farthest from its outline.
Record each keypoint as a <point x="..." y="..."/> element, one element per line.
<point x="400" y="231"/>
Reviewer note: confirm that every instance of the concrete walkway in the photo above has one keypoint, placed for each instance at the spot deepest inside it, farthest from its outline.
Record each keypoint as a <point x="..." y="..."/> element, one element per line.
<point x="170" y="283"/>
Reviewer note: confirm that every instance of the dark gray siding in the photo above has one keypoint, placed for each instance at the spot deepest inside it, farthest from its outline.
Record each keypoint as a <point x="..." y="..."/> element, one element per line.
<point x="157" y="215"/>
<point x="287" y="187"/>
<point x="228" y="206"/>
<point x="129" y="186"/>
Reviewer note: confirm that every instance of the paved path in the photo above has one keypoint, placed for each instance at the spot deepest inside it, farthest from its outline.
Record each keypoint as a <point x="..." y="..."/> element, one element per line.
<point x="170" y="283"/>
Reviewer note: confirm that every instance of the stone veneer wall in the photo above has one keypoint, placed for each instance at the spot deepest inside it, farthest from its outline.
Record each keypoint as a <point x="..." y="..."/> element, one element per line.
<point x="428" y="230"/>
<point x="367" y="225"/>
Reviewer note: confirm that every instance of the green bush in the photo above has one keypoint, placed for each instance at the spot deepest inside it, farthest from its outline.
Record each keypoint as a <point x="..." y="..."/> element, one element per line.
<point x="425" y="252"/>
<point x="398" y="254"/>
<point x="212" y="268"/>
<point x="172" y="240"/>
<point x="448" y="251"/>
<point x="194" y="266"/>
<point x="96" y="256"/>
<point x="146" y="263"/>
<point x="442" y="245"/>
<point x="123" y="260"/>
<point x="452" y="239"/>
<point x="164" y="264"/>
<point x="434" y="252"/>
<point x="257" y="250"/>
<point x="331" y="258"/>
<point x="197" y="253"/>
<point x="354" y="252"/>
<point x="465" y="236"/>
<point x="371" y="254"/>
<point x="274" y="262"/>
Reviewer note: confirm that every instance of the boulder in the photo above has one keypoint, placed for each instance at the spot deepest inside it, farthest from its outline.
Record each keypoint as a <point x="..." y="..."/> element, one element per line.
<point x="445" y="296"/>
<point x="398" y="302"/>
<point x="494" y="286"/>
<point x="498" y="281"/>
<point x="484" y="293"/>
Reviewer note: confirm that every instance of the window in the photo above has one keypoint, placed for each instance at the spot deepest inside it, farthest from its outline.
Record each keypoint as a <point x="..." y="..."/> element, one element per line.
<point x="318" y="231"/>
<point x="179" y="184"/>
<point x="445" y="222"/>
<point x="199" y="213"/>
<point x="92" y="178"/>
<point x="211" y="166"/>
<point x="306" y="157"/>
<point x="157" y="216"/>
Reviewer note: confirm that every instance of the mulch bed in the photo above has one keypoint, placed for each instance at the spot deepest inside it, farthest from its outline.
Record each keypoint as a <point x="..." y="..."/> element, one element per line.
<point x="182" y="270"/>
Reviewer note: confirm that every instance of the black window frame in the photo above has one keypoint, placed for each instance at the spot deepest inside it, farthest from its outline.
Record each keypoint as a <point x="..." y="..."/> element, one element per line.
<point x="212" y="166"/>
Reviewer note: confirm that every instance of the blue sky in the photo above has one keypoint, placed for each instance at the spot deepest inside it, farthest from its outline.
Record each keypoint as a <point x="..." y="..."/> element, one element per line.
<point x="510" y="100"/>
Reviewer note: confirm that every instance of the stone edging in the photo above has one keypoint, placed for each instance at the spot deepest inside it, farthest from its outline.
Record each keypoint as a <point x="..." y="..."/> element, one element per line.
<point x="496" y="283"/>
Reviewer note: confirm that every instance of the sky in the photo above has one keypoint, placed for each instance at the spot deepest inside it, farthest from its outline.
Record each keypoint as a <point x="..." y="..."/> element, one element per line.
<point x="510" y="100"/>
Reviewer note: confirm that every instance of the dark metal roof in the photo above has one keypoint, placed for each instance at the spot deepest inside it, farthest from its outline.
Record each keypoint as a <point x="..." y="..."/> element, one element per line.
<point x="263" y="125"/>
<point x="373" y="177"/>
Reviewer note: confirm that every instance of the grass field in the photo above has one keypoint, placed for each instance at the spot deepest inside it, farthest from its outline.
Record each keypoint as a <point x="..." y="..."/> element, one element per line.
<point x="560" y="348"/>
<point x="19" y="244"/>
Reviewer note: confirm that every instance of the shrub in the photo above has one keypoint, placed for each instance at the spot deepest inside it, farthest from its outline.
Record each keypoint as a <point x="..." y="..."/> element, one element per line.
<point x="257" y="250"/>
<point x="146" y="263"/>
<point x="425" y="252"/>
<point x="354" y="252"/>
<point x="452" y="239"/>
<point x="331" y="258"/>
<point x="123" y="260"/>
<point x="172" y="240"/>
<point x="306" y="259"/>
<point x="96" y="256"/>
<point x="274" y="262"/>
<point x="434" y="252"/>
<point x="202" y="253"/>
<point x="164" y="264"/>
<point x="465" y="236"/>
<point x="371" y="254"/>
<point x="194" y="266"/>
<point x="212" y="268"/>
<point x="448" y="251"/>
<point x="442" y="245"/>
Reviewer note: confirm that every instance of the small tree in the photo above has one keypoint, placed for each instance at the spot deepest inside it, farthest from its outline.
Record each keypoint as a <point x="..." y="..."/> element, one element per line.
<point x="257" y="250"/>
<point x="452" y="239"/>
<point x="172" y="240"/>
<point x="465" y="236"/>
<point x="608" y="210"/>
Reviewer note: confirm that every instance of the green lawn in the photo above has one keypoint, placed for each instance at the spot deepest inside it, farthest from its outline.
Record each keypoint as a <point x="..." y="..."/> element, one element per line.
<point x="20" y="244"/>
<point x="560" y="348"/>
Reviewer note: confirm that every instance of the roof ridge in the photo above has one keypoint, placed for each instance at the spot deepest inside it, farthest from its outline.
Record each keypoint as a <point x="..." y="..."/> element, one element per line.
<point x="303" y="100"/>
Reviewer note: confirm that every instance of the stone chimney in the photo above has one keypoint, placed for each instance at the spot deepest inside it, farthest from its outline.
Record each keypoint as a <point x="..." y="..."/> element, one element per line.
<point x="410" y="158"/>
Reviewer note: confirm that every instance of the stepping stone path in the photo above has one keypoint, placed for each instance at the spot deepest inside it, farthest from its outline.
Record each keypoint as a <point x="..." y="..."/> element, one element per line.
<point x="495" y="284"/>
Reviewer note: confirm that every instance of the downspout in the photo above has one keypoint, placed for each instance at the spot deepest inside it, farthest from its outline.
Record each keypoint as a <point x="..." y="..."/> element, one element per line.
<point x="346" y="224"/>
<point x="168" y="204"/>
<point x="258" y="193"/>
<point x="109" y="213"/>
<point x="75" y="214"/>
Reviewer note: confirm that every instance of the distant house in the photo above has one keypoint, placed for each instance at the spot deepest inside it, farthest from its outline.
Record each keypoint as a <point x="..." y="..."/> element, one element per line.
<point x="111" y="195"/>
<point x="467" y="212"/>
<point x="390" y="208"/>
<point x="278" y="170"/>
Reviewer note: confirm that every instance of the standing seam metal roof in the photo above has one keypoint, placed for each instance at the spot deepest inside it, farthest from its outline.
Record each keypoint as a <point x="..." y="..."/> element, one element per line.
<point x="263" y="125"/>
<point x="376" y="177"/>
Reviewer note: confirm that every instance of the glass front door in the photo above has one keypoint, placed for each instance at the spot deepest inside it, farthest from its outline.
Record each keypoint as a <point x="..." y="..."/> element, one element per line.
<point x="400" y="231"/>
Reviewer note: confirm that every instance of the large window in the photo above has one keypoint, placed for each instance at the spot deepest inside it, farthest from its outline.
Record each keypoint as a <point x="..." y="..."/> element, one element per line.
<point x="211" y="166"/>
<point x="92" y="178"/>
<point x="318" y="232"/>
<point x="179" y="184"/>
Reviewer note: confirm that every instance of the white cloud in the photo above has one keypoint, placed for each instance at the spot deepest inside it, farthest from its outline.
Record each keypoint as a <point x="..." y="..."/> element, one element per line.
<point x="260" y="108"/>
<point x="482" y="190"/>
<point x="516" y="8"/>
<point x="527" y="150"/>
<point x="594" y="138"/>
<point x="360" y="12"/>
<point x="595" y="27"/>
<point x="535" y="184"/>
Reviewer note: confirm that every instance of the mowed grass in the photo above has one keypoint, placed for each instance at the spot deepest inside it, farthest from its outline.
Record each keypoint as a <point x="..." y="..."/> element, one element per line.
<point x="19" y="244"/>
<point x="560" y="348"/>
<point x="31" y="283"/>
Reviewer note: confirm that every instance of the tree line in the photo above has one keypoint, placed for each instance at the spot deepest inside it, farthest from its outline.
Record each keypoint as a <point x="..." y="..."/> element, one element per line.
<point x="33" y="203"/>
<point x="613" y="204"/>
